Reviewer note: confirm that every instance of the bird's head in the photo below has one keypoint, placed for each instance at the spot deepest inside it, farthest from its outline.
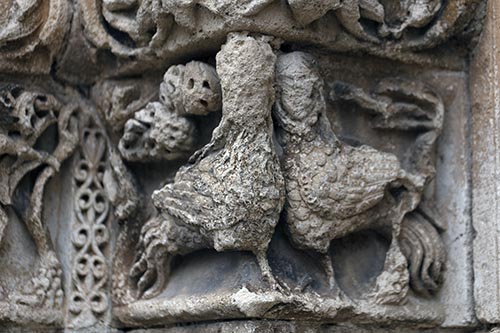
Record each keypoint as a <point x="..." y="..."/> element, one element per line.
<point x="300" y="98"/>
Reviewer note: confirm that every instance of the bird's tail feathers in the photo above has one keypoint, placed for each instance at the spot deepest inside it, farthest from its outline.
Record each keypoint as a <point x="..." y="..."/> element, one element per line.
<point x="424" y="249"/>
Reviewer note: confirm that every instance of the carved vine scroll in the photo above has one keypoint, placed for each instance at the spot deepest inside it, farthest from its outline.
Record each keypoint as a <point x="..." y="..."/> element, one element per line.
<point x="89" y="296"/>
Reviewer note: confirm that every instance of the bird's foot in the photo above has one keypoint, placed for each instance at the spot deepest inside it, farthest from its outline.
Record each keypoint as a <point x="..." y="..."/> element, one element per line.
<point x="150" y="271"/>
<point x="44" y="289"/>
<point x="278" y="286"/>
<point x="335" y="290"/>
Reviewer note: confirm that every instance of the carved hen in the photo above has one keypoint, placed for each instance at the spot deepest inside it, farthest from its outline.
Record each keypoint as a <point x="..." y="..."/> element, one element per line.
<point x="334" y="189"/>
<point x="231" y="196"/>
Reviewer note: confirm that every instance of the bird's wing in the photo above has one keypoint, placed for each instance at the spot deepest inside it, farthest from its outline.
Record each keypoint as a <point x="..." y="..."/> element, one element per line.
<point x="182" y="201"/>
<point x="349" y="183"/>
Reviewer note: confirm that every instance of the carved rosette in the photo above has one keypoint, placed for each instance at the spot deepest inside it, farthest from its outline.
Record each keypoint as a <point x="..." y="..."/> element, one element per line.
<point x="89" y="296"/>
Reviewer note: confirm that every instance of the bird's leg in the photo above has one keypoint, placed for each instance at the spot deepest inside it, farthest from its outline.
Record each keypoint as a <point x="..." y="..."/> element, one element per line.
<point x="267" y="274"/>
<point x="152" y="265"/>
<point x="392" y="284"/>
<point x="326" y="262"/>
<point x="150" y="270"/>
<point x="162" y="261"/>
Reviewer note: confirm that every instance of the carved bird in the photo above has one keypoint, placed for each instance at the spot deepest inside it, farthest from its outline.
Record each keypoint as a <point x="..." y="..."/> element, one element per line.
<point x="231" y="196"/>
<point x="332" y="188"/>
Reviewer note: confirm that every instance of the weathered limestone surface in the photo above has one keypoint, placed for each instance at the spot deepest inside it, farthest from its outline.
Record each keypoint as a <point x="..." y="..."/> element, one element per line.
<point x="249" y="166"/>
<point x="485" y="89"/>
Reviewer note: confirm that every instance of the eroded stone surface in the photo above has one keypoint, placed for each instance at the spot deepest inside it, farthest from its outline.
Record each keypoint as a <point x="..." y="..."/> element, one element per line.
<point x="199" y="161"/>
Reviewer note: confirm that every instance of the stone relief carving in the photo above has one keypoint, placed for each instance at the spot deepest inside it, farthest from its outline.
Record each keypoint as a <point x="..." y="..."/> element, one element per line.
<point x="253" y="179"/>
<point x="101" y="184"/>
<point x="27" y="117"/>
<point x="324" y="201"/>
<point x="164" y="129"/>
<point x="215" y="201"/>
<point x="393" y="18"/>
<point x="334" y="189"/>
<point x="118" y="100"/>
<point x="32" y="32"/>
<point x="141" y="32"/>
<point x="90" y="236"/>
<point x="296" y="165"/>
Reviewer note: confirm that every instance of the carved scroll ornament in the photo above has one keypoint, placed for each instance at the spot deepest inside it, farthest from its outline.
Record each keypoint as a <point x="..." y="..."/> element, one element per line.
<point x="26" y="118"/>
<point x="148" y="30"/>
<point x="31" y="34"/>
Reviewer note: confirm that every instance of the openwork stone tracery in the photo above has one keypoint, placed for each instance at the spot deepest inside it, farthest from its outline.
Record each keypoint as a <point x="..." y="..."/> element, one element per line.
<point x="219" y="160"/>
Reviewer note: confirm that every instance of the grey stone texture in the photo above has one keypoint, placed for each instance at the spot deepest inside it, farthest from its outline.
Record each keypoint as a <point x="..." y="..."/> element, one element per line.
<point x="249" y="166"/>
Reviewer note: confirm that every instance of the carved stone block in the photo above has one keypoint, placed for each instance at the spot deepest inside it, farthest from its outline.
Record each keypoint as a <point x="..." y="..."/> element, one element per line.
<point x="247" y="166"/>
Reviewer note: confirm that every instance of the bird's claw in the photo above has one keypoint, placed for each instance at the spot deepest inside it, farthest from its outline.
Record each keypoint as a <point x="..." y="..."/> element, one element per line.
<point x="150" y="272"/>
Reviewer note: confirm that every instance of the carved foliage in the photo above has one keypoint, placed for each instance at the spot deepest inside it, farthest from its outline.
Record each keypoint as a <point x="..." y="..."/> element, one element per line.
<point x="410" y="23"/>
<point x="147" y="27"/>
<point x="89" y="297"/>
<point x="26" y="119"/>
<point x="31" y="34"/>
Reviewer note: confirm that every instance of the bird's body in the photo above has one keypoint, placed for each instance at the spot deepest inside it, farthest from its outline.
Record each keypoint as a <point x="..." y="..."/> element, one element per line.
<point x="332" y="188"/>
<point x="330" y="185"/>
<point x="231" y="196"/>
<point x="219" y="197"/>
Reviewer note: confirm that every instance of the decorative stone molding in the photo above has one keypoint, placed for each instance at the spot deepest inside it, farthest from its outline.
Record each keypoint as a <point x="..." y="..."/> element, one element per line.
<point x="485" y="108"/>
<point x="142" y="34"/>
<point x="32" y="34"/>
